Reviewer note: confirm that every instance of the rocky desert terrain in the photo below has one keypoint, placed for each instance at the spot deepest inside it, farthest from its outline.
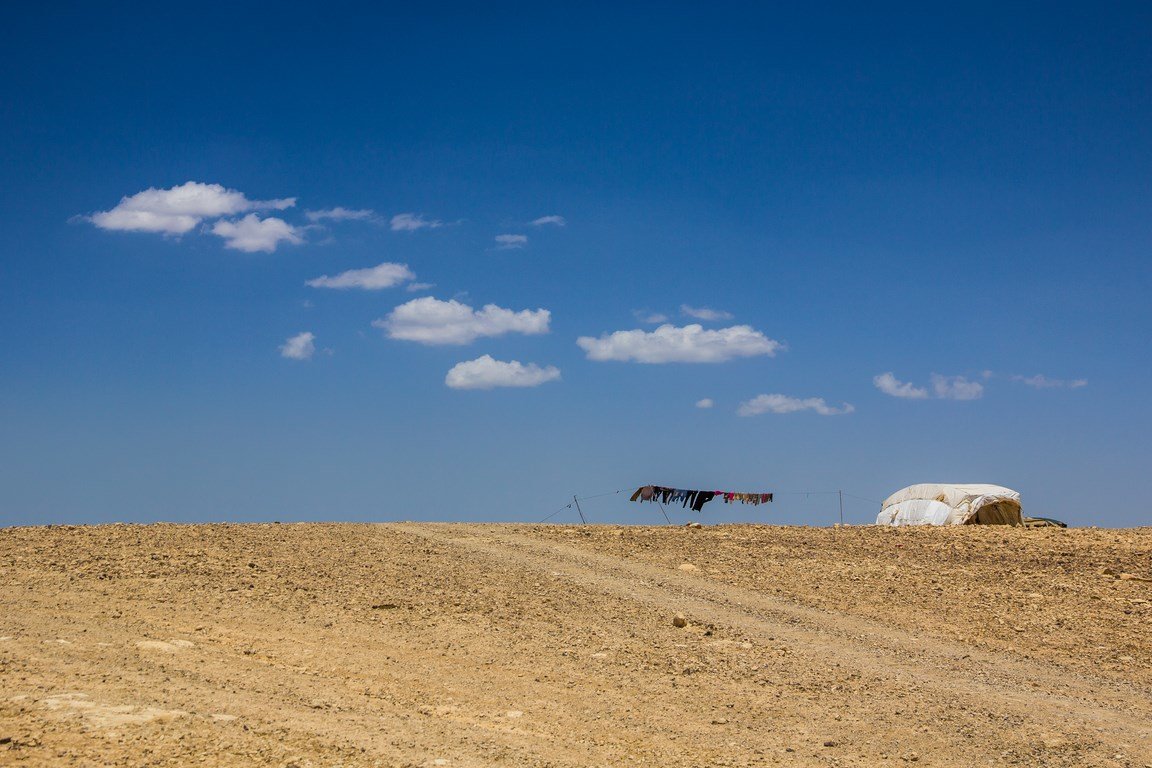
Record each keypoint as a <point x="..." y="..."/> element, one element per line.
<point x="473" y="645"/>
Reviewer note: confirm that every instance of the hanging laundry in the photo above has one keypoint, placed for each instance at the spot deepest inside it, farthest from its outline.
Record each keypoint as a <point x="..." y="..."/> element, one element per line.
<point x="651" y="493"/>
<point x="644" y="493"/>
<point x="695" y="499"/>
<point x="702" y="498"/>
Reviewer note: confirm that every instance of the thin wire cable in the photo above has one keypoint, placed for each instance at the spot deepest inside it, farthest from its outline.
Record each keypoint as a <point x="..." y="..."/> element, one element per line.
<point x="602" y="495"/>
<point x="861" y="498"/>
<point x="566" y="506"/>
<point x="582" y="498"/>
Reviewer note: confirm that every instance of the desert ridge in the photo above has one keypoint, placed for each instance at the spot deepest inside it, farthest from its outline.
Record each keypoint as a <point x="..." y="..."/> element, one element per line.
<point x="469" y="645"/>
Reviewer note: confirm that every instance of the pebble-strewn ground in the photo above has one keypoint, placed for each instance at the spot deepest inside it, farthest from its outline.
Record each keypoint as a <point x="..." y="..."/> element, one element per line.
<point x="470" y="645"/>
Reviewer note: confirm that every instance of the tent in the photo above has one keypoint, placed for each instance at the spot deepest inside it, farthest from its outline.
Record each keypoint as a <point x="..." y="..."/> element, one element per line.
<point x="951" y="504"/>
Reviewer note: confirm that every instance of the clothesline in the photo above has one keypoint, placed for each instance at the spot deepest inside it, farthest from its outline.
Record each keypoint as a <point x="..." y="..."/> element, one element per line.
<point x="576" y="499"/>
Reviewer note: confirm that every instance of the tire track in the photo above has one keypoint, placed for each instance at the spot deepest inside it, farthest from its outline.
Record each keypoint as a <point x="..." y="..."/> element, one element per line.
<point x="1032" y="691"/>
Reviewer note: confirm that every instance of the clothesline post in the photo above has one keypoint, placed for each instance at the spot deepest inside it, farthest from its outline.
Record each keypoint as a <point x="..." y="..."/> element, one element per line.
<point x="664" y="513"/>
<point x="578" y="510"/>
<point x="841" y="493"/>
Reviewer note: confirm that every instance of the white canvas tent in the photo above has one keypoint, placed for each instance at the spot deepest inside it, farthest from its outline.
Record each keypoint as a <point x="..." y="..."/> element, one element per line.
<point x="951" y="504"/>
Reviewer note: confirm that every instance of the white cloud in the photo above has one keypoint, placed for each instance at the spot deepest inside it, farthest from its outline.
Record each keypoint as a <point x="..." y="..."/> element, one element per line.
<point x="300" y="347"/>
<point x="251" y="233"/>
<point x="410" y="222"/>
<point x="340" y="214"/>
<point x="1040" y="381"/>
<point x="644" y="316"/>
<point x="785" y="404"/>
<point x="943" y="387"/>
<point x="703" y="313"/>
<point x="430" y="321"/>
<point x="559" y="221"/>
<point x="386" y="275"/>
<point x="956" y="388"/>
<point x="705" y="403"/>
<point x="414" y="287"/>
<point x="504" y="242"/>
<point x="178" y="209"/>
<point x="890" y="385"/>
<point x="690" y="344"/>
<point x="487" y="373"/>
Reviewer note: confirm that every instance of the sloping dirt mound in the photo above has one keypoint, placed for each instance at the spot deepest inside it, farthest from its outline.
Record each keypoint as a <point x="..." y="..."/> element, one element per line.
<point x="470" y="645"/>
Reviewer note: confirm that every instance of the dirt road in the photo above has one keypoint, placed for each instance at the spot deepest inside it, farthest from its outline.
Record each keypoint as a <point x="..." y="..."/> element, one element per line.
<point x="470" y="645"/>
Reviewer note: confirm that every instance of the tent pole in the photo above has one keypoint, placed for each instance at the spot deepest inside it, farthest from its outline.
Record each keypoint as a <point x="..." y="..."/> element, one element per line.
<point x="578" y="510"/>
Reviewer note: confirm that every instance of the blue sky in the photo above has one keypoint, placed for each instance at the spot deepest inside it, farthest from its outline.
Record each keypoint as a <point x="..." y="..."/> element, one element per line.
<point x="888" y="246"/>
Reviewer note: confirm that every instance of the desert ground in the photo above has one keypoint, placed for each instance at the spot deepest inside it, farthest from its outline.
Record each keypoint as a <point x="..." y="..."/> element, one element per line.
<point x="472" y="645"/>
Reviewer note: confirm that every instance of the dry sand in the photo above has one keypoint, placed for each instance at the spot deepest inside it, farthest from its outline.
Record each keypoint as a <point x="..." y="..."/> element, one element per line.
<point x="470" y="645"/>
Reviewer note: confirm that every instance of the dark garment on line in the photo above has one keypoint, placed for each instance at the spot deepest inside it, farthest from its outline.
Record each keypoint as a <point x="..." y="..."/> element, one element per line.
<point x="702" y="498"/>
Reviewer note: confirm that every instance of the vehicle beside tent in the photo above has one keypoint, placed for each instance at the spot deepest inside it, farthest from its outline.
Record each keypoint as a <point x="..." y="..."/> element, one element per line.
<point x="951" y="504"/>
